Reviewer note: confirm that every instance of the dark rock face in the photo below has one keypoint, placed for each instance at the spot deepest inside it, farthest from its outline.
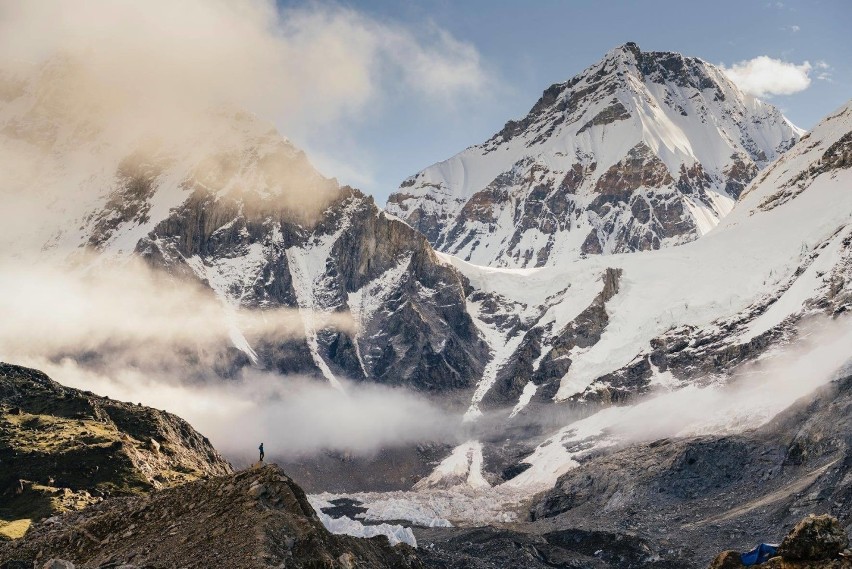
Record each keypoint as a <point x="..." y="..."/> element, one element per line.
<point x="492" y="548"/>
<point x="421" y="334"/>
<point x="836" y="157"/>
<point x="615" y="112"/>
<point x="129" y="202"/>
<point x="816" y="542"/>
<point x="61" y="448"/>
<point x="616" y="199"/>
<point x="255" y="518"/>
<point x="584" y="331"/>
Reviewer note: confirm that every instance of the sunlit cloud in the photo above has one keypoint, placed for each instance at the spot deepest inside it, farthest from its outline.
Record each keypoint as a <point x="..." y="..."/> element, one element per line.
<point x="320" y="67"/>
<point x="764" y="76"/>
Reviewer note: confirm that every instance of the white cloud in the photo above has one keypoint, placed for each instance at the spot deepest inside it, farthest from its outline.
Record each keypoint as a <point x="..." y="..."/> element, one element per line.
<point x="307" y="66"/>
<point x="141" y="317"/>
<point x="764" y="76"/>
<point x="164" y="70"/>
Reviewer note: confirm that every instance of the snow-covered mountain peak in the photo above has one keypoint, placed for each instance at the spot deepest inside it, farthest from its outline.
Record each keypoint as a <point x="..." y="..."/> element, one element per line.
<point x="639" y="151"/>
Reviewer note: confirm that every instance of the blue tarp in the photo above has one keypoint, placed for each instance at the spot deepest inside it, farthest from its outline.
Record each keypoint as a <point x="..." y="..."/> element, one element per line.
<point x="759" y="554"/>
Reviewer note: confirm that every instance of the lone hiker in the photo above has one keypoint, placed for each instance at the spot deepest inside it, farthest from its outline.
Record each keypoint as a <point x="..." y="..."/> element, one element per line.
<point x="260" y="448"/>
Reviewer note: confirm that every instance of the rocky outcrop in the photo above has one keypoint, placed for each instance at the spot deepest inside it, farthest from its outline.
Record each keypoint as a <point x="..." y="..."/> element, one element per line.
<point x="831" y="155"/>
<point x="816" y="542"/>
<point x="256" y="518"/>
<point x="63" y="449"/>
<point x="544" y="359"/>
<point x="813" y="539"/>
<point x="614" y="160"/>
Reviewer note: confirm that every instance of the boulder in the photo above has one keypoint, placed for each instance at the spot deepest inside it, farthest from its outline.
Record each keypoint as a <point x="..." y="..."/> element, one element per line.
<point x="814" y="538"/>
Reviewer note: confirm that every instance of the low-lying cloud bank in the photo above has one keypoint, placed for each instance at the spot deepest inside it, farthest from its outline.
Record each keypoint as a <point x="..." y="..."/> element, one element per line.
<point x="135" y="334"/>
<point x="756" y="393"/>
<point x="129" y="314"/>
<point x="292" y="416"/>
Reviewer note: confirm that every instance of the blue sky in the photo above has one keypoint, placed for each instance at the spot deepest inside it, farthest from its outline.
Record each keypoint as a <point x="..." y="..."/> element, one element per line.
<point x="513" y="50"/>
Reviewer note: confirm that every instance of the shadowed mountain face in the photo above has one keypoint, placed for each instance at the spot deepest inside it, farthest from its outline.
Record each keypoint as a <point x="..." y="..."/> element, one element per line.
<point x="408" y="306"/>
<point x="640" y="151"/>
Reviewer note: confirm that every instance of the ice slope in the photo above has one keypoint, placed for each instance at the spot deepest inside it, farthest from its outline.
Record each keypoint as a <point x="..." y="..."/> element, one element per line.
<point x="463" y="467"/>
<point x="532" y="194"/>
<point x="527" y="297"/>
<point x="784" y="375"/>
<point x="438" y="507"/>
<point x="755" y="254"/>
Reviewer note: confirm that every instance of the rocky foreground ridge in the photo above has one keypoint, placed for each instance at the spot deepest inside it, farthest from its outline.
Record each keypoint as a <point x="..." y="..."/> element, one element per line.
<point x="251" y="519"/>
<point x="93" y="482"/>
<point x="62" y="449"/>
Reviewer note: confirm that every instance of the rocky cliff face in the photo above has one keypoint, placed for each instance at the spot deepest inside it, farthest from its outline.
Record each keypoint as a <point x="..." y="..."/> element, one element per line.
<point x="61" y="448"/>
<point x="408" y="306"/>
<point x="236" y="207"/>
<point x="640" y="151"/>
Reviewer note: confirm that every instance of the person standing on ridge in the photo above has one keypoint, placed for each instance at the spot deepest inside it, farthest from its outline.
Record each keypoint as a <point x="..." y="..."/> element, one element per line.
<point x="260" y="448"/>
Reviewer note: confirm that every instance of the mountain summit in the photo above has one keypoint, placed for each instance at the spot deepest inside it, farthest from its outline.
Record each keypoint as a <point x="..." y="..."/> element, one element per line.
<point x="640" y="151"/>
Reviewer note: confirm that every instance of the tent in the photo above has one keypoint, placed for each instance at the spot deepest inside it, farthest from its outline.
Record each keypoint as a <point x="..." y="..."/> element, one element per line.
<point x="759" y="554"/>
